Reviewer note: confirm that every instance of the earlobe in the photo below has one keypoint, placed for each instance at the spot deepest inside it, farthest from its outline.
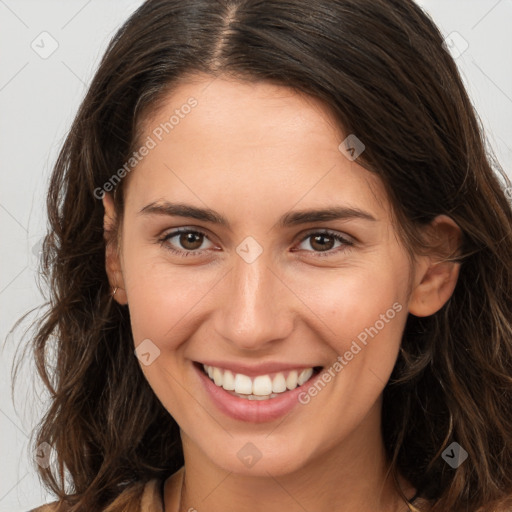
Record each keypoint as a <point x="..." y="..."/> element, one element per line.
<point x="112" y="253"/>
<point x="437" y="273"/>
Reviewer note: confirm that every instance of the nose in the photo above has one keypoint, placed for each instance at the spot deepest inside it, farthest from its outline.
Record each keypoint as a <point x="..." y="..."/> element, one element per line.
<point x="256" y="307"/>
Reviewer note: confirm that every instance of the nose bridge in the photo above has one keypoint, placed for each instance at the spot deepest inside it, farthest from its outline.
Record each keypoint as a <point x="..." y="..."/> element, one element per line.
<point x="252" y="312"/>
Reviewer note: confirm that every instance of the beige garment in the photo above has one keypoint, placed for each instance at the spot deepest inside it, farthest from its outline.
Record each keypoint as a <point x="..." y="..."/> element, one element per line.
<point x="151" y="500"/>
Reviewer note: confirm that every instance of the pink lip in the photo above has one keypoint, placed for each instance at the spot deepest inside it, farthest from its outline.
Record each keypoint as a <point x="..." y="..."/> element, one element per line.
<point x="255" y="370"/>
<point x="254" y="411"/>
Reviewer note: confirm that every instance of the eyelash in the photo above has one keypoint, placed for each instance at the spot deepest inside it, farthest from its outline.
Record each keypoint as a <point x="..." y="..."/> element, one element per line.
<point x="318" y="254"/>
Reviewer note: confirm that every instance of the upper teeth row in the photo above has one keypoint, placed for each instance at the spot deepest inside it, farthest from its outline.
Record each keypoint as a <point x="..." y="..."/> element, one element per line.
<point x="261" y="385"/>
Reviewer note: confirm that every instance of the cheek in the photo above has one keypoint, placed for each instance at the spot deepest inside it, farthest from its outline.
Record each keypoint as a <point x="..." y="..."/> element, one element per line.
<point x="358" y="302"/>
<point x="363" y="313"/>
<point x="161" y="298"/>
<point x="160" y="294"/>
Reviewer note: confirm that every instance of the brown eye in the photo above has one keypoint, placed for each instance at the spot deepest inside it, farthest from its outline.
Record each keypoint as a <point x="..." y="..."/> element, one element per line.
<point x="325" y="243"/>
<point x="191" y="240"/>
<point x="322" y="242"/>
<point x="185" y="242"/>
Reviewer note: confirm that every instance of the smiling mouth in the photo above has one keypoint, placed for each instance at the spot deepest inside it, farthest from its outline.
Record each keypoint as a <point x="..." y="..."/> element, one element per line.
<point x="261" y="387"/>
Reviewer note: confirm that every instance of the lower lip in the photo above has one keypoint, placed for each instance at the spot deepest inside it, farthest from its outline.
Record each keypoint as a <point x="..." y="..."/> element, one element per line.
<point x="254" y="411"/>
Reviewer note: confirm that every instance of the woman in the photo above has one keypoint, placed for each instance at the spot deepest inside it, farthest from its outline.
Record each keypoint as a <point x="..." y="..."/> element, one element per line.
<point x="280" y="270"/>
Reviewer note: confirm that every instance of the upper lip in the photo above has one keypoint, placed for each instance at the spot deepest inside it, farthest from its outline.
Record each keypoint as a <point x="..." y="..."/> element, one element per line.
<point x="253" y="370"/>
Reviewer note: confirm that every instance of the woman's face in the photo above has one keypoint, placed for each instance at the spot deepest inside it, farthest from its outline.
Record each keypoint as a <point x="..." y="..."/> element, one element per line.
<point x="287" y="261"/>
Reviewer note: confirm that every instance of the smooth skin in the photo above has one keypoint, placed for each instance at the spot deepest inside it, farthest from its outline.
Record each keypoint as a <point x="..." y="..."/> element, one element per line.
<point x="254" y="152"/>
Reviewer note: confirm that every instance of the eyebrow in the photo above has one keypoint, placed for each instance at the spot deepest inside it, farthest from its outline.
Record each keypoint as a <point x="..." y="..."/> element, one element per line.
<point x="289" y="219"/>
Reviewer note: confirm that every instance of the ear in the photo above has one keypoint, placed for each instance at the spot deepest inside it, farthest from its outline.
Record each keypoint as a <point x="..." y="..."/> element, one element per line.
<point x="112" y="251"/>
<point x="435" y="277"/>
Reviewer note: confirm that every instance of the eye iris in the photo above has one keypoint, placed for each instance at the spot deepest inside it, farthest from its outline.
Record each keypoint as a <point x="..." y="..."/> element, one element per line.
<point x="191" y="238"/>
<point x="322" y="246"/>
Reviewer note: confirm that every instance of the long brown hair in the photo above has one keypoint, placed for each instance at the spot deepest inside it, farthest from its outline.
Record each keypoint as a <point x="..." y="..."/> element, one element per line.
<point x="381" y="67"/>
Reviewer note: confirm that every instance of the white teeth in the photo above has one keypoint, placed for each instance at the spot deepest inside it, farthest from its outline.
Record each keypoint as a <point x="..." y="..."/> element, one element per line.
<point x="229" y="381"/>
<point x="217" y="377"/>
<point x="304" y="376"/>
<point x="254" y="397"/>
<point x="291" y="380"/>
<point x="279" y="383"/>
<point x="261" y="387"/>
<point x="243" y="384"/>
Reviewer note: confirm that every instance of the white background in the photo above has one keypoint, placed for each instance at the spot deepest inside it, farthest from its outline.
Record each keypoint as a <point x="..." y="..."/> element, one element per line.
<point x="38" y="100"/>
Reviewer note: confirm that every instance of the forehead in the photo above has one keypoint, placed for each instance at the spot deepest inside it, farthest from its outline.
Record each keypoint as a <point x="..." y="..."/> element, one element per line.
<point x="252" y="142"/>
